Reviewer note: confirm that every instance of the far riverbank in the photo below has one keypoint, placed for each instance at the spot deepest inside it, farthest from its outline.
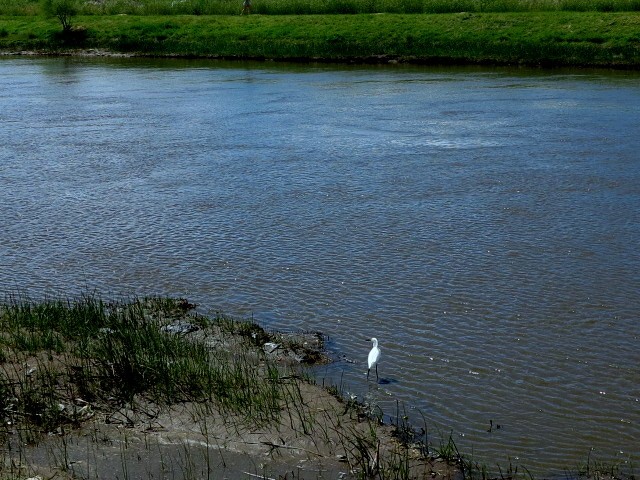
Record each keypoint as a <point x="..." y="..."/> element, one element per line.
<point x="548" y="39"/>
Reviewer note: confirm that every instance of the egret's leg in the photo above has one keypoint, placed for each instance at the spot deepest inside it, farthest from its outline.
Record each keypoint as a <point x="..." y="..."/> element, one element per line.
<point x="376" y="372"/>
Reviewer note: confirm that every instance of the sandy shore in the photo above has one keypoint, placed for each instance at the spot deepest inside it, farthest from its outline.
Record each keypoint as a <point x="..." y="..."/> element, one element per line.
<point x="187" y="441"/>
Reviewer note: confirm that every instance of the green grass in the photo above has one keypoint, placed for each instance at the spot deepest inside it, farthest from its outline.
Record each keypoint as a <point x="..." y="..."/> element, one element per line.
<point x="231" y="7"/>
<point x="116" y="354"/>
<point x="537" y="38"/>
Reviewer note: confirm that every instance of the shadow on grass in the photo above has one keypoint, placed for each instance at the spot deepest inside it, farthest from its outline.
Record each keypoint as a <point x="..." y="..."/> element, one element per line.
<point x="73" y="37"/>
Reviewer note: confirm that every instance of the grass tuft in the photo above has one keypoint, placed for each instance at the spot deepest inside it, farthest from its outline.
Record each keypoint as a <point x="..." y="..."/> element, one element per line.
<point x="116" y="354"/>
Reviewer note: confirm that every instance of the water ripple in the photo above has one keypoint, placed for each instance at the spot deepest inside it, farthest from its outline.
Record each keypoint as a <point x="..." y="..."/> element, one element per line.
<point x="483" y="225"/>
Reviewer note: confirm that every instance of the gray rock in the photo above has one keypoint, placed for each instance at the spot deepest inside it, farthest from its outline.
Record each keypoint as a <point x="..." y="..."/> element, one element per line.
<point x="180" y="327"/>
<point x="270" y="347"/>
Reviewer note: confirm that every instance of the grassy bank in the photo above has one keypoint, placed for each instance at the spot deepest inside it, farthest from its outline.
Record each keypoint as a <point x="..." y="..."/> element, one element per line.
<point x="534" y="38"/>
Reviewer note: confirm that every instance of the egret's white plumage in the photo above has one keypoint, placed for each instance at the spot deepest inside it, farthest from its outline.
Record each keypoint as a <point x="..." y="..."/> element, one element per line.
<point x="374" y="357"/>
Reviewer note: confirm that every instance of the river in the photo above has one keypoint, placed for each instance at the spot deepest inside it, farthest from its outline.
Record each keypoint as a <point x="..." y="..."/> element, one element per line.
<point x="483" y="224"/>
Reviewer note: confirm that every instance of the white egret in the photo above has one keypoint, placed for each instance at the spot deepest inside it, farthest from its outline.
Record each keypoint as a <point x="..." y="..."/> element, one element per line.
<point x="374" y="356"/>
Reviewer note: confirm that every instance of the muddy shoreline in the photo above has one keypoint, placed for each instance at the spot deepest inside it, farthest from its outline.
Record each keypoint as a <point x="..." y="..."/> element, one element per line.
<point x="366" y="60"/>
<point x="347" y="60"/>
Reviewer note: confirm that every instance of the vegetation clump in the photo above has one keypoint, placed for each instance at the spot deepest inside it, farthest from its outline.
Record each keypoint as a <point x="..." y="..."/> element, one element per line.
<point x="111" y="354"/>
<point x="63" y="10"/>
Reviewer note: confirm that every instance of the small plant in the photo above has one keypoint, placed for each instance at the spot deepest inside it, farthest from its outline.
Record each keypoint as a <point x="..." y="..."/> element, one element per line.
<point x="596" y="469"/>
<point x="448" y="451"/>
<point x="63" y="10"/>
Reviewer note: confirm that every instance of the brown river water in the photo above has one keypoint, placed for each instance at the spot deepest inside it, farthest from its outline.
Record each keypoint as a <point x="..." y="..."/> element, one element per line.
<point x="483" y="224"/>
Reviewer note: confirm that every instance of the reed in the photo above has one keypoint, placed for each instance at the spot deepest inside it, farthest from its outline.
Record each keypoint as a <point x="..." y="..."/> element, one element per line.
<point x="116" y="354"/>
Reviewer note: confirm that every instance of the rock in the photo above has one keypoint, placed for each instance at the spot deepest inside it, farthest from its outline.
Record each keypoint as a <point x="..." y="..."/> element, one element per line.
<point x="180" y="327"/>
<point x="270" y="347"/>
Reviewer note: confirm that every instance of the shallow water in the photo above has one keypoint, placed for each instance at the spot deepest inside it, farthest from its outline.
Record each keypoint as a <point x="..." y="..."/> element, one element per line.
<point x="482" y="223"/>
